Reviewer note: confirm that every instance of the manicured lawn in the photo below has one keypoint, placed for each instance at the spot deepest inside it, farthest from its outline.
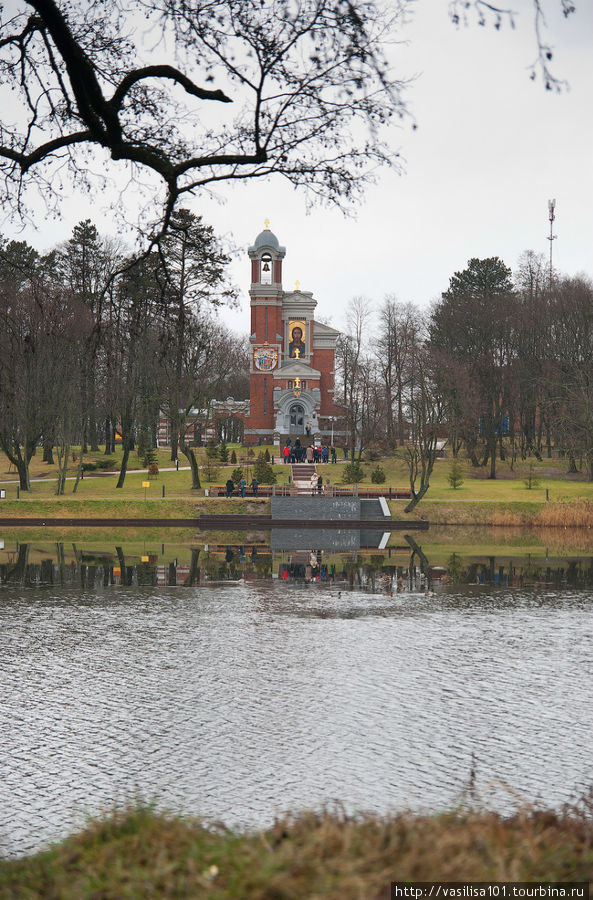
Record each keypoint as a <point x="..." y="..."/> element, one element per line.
<point x="509" y="489"/>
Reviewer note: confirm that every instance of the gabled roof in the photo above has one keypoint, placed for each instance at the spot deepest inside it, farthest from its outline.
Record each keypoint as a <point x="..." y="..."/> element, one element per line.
<point x="321" y="329"/>
<point x="297" y="369"/>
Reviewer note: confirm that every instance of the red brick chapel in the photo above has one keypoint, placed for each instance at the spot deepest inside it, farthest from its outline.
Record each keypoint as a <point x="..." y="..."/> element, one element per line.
<point x="292" y="368"/>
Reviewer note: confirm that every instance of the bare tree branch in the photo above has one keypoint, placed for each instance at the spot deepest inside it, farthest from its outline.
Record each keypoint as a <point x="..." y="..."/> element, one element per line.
<point x="311" y="93"/>
<point x="485" y="11"/>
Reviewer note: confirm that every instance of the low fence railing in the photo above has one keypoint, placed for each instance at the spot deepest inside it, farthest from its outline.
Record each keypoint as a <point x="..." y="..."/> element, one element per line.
<point x="329" y="490"/>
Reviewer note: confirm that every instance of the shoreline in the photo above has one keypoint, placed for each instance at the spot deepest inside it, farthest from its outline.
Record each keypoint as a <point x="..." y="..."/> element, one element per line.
<point x="186" y="512"/>
<point x="310" y="854"/>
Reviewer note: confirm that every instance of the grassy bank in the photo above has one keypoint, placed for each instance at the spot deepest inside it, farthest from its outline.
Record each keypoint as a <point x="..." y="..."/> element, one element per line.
<point x="139" y="853"/>
<point x="575" y="513"/>
<point x="468" y="512"/>
<point x="90" y="507"/>
<point x="551" y="497"/>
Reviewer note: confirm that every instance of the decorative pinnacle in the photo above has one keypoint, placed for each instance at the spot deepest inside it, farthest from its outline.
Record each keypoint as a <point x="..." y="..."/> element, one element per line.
<point x="267" y="224"/>
<point x="297" y="285"/>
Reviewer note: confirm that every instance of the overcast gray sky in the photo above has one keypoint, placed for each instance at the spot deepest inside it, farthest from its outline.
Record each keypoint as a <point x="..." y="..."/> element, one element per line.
<point x="490" y="149"/>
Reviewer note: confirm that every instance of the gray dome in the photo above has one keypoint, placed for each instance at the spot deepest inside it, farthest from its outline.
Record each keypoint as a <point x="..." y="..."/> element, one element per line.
<point x="266" y="238"/>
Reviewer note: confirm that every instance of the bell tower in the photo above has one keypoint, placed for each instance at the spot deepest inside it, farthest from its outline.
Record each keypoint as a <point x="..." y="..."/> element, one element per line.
<point x="267" y="332"/>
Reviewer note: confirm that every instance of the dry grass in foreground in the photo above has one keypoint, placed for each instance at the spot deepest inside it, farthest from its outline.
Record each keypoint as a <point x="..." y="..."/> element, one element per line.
<point x="138" y="853"/>
<point x="574" y="514"/>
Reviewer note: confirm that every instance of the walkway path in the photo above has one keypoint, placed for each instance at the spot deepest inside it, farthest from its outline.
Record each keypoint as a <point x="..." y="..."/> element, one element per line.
<point x="42" y="478"/>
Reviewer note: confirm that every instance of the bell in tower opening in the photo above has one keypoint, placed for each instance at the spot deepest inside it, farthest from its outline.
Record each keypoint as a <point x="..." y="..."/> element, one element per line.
<point x="266" y="269"/>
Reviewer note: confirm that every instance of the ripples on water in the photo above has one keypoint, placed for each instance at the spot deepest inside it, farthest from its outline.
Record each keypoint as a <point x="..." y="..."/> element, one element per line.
<point x="244" y="701"/>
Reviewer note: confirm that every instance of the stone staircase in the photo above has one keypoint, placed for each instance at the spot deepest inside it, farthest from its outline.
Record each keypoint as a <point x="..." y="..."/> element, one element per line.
<point x="302" y="475"/>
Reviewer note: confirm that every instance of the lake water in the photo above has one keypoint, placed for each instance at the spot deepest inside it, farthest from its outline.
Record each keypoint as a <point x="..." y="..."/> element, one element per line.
<point x="239" y="700"/>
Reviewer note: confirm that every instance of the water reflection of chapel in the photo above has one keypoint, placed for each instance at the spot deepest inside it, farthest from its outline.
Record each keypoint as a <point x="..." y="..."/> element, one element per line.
<point x="292" y="368"/>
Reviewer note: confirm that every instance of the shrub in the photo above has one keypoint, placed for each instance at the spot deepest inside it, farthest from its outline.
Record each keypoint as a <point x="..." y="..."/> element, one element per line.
<point x="531" y="480"/>
<point x="223" y="453"/>
<point x="352" y="472"/>
<point x="378" y="475"/>
<point x="210" y="468"/>
<point x="237" y="475"/>
<point x="98" y="464"/>
<point x="233" y="458"/>
<point x="150" y="457"/>
<point x="455" y="476"/>
<point x="263" y="471"/>
<point x="143" y="444"/>
<point x="267" y="455"/>
<point x="373" y="453"/>
<point x="153" y="469"/>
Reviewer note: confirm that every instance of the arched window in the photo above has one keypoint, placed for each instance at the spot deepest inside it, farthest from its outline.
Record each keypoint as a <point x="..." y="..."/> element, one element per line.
<point x="265" y="274"/>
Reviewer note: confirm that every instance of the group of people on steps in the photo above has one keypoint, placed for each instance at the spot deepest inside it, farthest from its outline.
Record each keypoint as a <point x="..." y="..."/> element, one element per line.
<point x="312" y="453"/>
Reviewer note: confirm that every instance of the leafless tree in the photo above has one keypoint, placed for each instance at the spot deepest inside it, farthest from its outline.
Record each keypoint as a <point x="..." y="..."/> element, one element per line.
<point x="485" y="11"/>
<point x="396" y="344"/>
<point x="300" y="89"/>
<point x="568" y="378"/>
<point x="427" y="414"/>
<point x="26" y="391"/>
<point x="350" y="360"/>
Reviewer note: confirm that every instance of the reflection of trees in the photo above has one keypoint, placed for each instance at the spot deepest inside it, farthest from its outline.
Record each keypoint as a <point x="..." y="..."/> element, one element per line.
<point x="455" y="568"/>
<point x="371" y="571"/>
<point x="422" y="559"/>
<point x="194" y="570"/>
<point x="126" y="571"/>
<point x="263" y="566"/>
<point x="61" y="560"/>
<point x="16" y="573"/>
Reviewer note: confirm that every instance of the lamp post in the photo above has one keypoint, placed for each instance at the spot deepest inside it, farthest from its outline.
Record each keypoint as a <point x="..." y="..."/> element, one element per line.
<point x="331" y="418"/>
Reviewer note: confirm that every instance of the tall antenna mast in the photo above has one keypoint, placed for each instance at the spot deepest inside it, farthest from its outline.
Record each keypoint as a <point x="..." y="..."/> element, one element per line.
<point x="552" y="236"/>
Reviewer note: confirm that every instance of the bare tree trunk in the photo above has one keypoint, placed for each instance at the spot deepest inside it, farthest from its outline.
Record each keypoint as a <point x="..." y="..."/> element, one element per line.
<point x="63" y="453"/>
<point x="108" y="437"/>
<point x="492" y="457"/>
<point x="79" y="470"/>
<point x="124" y="465"/>
<point x="190" y="454"/>
<point x="93" y="432"/>
<point x="22" y="468"/>
<point x="548" y="441"/>
<point x="47" y="451"/>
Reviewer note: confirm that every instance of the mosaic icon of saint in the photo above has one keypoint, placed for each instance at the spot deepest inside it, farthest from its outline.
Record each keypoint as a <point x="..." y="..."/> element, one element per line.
<point x="296" y="348"/>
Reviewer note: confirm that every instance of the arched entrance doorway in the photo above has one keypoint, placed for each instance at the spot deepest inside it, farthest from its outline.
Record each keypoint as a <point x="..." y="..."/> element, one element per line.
<point x="297" y="418"/>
